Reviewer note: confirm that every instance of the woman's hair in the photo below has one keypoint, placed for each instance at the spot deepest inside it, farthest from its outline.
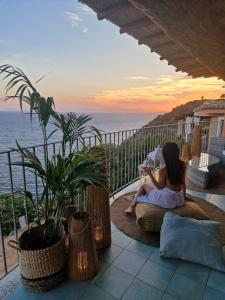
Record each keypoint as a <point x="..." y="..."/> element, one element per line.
<point x="174" y="166"/>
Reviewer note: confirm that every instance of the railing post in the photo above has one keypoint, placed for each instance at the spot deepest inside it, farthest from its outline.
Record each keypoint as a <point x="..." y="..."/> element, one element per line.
<point x="3" y="245"/>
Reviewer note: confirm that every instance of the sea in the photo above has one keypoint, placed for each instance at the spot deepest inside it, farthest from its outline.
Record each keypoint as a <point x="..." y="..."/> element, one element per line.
<point x="17" y="126"/>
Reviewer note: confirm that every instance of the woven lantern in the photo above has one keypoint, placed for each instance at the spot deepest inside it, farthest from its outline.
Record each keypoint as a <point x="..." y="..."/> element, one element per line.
<point x="196" y="145"/>
<point x="186" y="153"/>
<point x="68" y="211"/>
<point x="83" y="260"/>
<point x="97" y="201"/>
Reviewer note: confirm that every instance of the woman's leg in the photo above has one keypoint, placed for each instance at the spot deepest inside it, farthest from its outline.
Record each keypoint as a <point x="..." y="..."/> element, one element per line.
<point x="144" y="189"/>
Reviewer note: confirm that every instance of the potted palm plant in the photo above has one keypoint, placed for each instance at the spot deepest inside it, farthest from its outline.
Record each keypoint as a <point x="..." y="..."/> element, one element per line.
<point x="42" y="248"/>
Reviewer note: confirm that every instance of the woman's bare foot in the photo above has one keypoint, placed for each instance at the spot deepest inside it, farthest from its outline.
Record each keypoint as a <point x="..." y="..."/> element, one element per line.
<point x="129" y="210"/>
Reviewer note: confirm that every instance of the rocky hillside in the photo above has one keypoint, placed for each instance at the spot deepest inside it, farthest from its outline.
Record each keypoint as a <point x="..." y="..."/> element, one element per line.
<point x="176" y="113"/>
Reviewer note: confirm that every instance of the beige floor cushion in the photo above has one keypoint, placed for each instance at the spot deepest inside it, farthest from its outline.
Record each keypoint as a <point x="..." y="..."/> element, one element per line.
<point x="150" y="216"/>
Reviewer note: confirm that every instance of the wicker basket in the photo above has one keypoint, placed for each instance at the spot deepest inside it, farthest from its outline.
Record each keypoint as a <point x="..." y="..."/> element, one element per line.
<point x="41" y="264"/>
<point x="83" y="260"/>
<point x="44" y="284"/>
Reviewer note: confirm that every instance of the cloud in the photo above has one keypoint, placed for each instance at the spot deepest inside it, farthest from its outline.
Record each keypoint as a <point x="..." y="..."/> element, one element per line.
<point x="85" y="30"/>
<point x="137" y="77"/>
<point x="74" y="18"/>
<point x="167" y="92"/>
<point x="87" y="10"/>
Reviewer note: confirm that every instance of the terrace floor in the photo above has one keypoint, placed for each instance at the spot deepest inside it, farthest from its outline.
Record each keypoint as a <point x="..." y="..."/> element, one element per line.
<point x="132" y="270"/>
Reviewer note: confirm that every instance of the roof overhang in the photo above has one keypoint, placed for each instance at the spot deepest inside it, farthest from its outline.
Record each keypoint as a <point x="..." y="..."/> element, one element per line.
<point x="209" y="113"/>
<point x="189" y="34"/>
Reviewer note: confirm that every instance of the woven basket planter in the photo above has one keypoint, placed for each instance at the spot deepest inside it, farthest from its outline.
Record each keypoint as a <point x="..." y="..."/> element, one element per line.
<point x="83" y="260"/>
<point x="40" y="269"/>
<point x="97" y="201"/>
<point x="196" y="145"/>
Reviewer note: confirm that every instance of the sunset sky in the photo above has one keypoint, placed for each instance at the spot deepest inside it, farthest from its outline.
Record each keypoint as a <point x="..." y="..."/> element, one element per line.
<point x="90" y="66"/>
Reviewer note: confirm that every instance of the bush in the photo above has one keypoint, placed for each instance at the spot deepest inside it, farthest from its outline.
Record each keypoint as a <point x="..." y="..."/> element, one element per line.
<point x="6" y="209"/>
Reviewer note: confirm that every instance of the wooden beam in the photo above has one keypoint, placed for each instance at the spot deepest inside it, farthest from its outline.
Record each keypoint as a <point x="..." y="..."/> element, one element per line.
<point x="184" y="59"/>
<point x="171" y="50"/>
<point x="157" y="46"/>
<point x="199" y="74"/>
<point x="192" y="65"/>
<point x="148" y="38"/>
<point x="113" y="9"/>
<point x="135" y="25"/>
<point x="179" y="56"/>
<point x="192" y="69"/>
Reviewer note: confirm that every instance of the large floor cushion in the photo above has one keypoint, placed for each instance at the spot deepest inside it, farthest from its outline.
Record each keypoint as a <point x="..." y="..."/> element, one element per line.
<point x="150" y="217"/>
<point x="197" y="241"/>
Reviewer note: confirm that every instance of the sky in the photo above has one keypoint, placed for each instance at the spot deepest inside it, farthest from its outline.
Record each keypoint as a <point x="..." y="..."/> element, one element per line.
<point x="90" y="66"/>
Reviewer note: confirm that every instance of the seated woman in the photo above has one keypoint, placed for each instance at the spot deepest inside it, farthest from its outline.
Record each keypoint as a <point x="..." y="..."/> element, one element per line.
<point x="170" y="189"/>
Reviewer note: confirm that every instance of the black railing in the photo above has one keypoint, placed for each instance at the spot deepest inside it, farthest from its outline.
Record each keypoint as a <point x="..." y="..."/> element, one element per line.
<point x="125" y="151"/>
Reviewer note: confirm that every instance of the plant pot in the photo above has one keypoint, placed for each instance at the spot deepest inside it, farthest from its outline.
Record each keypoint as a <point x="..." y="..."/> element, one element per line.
<point x="41" y="269"/>
<point x="83" y="260"/>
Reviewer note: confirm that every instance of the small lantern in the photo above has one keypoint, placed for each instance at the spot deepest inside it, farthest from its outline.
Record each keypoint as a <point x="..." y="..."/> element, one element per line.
<point x="98" y="230"/>
<point x="83" y="260"/>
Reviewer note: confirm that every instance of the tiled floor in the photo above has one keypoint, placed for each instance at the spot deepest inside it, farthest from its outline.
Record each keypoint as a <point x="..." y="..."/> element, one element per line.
<point x="134" y="271"/>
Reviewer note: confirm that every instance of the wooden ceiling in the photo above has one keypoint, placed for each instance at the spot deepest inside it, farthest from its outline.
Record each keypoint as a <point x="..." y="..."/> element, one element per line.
<point x="189" y="34"/>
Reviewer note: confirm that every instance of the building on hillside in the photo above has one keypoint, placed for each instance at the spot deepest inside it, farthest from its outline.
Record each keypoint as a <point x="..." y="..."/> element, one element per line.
<point x="215" y="111"/>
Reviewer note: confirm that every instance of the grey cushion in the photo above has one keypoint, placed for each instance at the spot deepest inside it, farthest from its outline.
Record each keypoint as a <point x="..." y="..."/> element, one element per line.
<point x="197" y="241"/>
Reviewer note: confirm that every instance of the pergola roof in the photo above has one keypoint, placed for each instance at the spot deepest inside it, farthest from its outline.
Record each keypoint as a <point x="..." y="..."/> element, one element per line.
<point x="189" y="34"/>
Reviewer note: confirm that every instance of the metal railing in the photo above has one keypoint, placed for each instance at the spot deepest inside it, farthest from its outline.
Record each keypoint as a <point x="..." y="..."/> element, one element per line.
<point x="125" y="151"/>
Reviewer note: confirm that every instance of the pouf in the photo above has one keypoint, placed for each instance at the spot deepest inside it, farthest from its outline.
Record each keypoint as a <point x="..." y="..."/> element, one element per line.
<point x="150" y="217"/>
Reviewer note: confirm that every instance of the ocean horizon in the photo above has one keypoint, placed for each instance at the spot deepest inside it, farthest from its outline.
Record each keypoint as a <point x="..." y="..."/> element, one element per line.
<point x="16" y="126"/>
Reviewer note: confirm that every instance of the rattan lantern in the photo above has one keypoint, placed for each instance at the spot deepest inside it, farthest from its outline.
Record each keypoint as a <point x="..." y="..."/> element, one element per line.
<point x="83" y="260"/>
<point x="196" y="145"/>
<point x="97" y="201"/>
<point x="186" y="153"/>
<point x="68" y="211"/>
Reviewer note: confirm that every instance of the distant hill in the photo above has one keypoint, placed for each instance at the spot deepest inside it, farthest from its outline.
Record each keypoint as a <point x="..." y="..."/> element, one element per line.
<point x="177" y="113"/>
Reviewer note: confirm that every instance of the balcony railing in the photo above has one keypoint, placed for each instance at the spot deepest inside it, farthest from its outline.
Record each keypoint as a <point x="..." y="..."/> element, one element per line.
<point x="125" y="151"/>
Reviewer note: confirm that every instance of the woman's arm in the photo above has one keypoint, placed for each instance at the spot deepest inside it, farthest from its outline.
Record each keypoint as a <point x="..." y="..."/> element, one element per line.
<point x="184" y="189"/>
<point x="184" y="183"/>
<point x="162" y="179"/>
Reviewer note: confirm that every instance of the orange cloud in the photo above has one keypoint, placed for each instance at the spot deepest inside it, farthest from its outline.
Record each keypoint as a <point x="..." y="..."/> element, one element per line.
<point x="166" y="93"/>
